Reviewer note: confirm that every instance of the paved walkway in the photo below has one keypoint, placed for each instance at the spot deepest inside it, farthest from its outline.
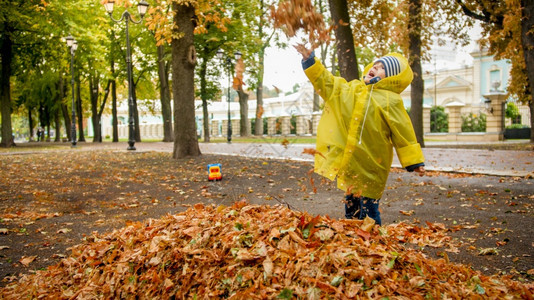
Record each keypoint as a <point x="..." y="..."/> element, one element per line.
<point x="496" y="162"/>
<point x="489" y="162"/>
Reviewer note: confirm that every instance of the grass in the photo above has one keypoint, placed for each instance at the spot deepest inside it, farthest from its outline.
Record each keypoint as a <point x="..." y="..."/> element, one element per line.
<point x="265" y="139"/>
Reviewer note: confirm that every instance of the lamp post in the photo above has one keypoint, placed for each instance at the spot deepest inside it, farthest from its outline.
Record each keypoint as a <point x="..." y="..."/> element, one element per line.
<point x="228" y="61"/>
<point x="142" y="7"/>
<point x="73" y="45"/>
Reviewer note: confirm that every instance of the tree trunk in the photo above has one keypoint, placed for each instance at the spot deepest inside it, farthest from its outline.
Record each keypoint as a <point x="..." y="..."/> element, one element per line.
<point x="183" y="67"/>
<point x="57" y="135"/>
<point x="48" y="130"/>
<point x="258" y="125"/>
<point x="63" y="107"/>
<point x="244" y="124"/>
<point x="97" y="134"/>
<point x="416" y="110"/>
<point x="30" y="123"/>
<point x="114" y="111"/>
<point x="205" y="114"/>
<point x="66" y="119"/>
<point x="6" y="53"/>
<point x="79" y="115"/>
<point x="527" y="41"/>
<point x="348" y="63"/>
<point x="165" y="95"/>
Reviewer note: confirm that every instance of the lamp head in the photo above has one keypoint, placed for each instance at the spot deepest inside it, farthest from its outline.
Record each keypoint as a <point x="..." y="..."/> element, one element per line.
<point x="70" y="40"/>
<point x="237" y="55"/>
<point x="220" y="54"/>
<point x="75" y="45"/>
<point x="142" y="7"/>
<point x="109" y="6"/>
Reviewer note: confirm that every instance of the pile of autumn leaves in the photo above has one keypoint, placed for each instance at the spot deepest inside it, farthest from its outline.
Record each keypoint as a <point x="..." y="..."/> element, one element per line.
<point x="250" y="251"/>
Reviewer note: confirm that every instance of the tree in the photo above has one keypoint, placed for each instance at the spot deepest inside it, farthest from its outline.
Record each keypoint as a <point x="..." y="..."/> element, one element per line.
<point x="16" y="40"/>
<point x="415" y="57"/>
<point x="258" y="127"/>
<point x="165" y="93"/>
<point x="212" y="34"/>
<point x="6" y="56"/>
<point x="507" y="28"/>
<point x="527" y="41"/>
<point x="183" y="68"/>
<point x="244" y="128"/>
<point x="348" y="63"/>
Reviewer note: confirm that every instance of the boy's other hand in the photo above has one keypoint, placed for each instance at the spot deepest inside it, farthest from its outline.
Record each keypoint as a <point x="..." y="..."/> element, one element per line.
<point x="305" y="52"/>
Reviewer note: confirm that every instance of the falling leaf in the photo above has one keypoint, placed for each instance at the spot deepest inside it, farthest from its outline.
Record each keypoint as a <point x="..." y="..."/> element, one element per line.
<point x="313" y="152"/>
<point x="285" y="143"/>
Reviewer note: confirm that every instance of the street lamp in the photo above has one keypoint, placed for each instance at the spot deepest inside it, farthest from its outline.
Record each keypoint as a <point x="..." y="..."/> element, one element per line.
<point x="142" y="7"/>
<point x="228" y="61"/>
<point x="73" y="45"/>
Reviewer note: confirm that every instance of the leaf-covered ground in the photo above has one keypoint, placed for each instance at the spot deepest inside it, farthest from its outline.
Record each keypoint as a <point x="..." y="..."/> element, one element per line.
<point x="56" y="200"/>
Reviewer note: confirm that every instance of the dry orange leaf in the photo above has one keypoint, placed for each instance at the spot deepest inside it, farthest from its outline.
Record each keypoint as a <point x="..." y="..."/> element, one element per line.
<point x="26" y="260"/>
<point x="312" y="151"/>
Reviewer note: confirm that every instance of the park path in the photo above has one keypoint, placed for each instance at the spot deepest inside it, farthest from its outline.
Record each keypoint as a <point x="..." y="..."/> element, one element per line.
<point x="472" y="161"/>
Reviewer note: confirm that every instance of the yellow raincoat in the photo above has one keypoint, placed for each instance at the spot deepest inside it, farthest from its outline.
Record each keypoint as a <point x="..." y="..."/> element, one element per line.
<point x="360" y="152"/>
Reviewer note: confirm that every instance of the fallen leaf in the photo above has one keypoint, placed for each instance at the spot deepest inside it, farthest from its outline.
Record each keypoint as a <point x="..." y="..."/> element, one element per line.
<point x="407" y="213"/>
<point x="488" y="251"/>
<point x="26" y="260"/>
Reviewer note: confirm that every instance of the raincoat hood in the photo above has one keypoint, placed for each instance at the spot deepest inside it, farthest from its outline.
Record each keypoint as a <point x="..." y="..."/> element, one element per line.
<point x="396" y="83"/>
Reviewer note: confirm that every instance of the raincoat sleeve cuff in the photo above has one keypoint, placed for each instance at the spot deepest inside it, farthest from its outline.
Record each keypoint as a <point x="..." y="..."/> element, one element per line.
<point x="306" y="63"/>
<point x="413" y="167"/>
<point x="410" y="155"/>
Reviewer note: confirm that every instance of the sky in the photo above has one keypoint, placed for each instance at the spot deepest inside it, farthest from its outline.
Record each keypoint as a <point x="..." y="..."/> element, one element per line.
<point x="283" y="68"/>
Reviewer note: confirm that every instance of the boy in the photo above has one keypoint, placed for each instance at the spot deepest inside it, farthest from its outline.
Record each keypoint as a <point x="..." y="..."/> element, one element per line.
<point x="361" y="123"/>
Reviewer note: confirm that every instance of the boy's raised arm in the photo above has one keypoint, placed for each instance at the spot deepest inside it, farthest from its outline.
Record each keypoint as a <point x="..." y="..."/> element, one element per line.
<point x="324" y="82"/>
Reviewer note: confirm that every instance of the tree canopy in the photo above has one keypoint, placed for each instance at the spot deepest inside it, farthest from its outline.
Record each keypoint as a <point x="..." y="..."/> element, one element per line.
<point x="35" y="69"/>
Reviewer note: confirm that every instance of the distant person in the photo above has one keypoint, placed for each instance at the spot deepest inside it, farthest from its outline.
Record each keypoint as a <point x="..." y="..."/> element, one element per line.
<point x="361" y="123"/>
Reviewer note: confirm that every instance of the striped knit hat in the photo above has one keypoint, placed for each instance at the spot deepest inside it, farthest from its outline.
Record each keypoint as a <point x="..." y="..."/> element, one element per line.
<point x="391" y="64"/>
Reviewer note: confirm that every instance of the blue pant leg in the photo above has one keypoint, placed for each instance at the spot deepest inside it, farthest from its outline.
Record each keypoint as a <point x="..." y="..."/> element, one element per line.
<point x="352" y="206"/>
<point x="370" y="209"/>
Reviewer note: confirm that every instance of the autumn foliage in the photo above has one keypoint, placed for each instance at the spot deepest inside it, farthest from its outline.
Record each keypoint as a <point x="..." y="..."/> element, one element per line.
<point x="294" y="15"/>
<point x="257" y="252"/>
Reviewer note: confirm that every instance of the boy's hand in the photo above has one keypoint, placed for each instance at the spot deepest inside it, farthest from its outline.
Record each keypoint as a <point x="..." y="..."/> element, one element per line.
<point x="305" y="52"/>
<point x="420" y="170"/>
